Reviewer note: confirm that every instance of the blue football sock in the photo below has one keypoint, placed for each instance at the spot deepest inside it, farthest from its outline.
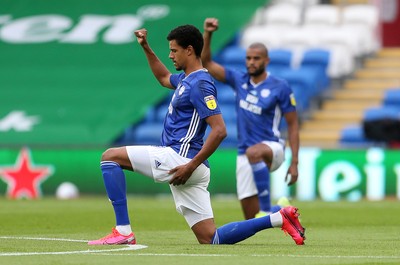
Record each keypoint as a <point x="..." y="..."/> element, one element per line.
<point x="261" y="178"/>
<point x="275" y="208"/>
<point x="114" y="180"/>
<point x="237" y="231"/>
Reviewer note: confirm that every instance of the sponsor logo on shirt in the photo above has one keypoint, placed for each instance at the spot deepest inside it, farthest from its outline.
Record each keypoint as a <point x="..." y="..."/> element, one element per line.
<point x="292" y="99"/>
<point x="265" y="93"/>
<point x="210" y="102"/>
<point x="250" y="107"/>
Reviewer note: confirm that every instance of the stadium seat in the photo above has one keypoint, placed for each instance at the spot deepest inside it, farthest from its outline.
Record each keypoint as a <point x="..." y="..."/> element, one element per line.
<point x="231" y="139"/>
<point x="304" y="83"/>
<point x="361" y="14"/>
<point x="269" y="35"/>
<point x="299" y="40"/>
<point x="391" y="98"/>
<point x="161" y="111"/>
<point x="283" y="15"/>
<point x="148" y="133"/>
<point x="353" y="135"/>
<point x="365" y="17"/>
<point x="318" y="59"/>
<point x="225" y="94"/>
<point x="299" y="3"/>
<point x="233" y="55"/>
<point x="343" y="37"/>
<point x="228" y="112"/>
<point x="363" y="40"/>
<point x="322" y="16"/>
<point x="382" y="112"/>
<point x="302" y="98"/>
<point x="150" y="116"/>
<point x="280" y="58"/>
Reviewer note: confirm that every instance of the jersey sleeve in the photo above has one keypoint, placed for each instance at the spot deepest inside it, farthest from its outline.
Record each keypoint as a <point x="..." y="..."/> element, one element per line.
<point x="204" y="98"/>
<point x="287" y="100"/>
<point x="231" y="77"/>
<point x="174" y="79"/>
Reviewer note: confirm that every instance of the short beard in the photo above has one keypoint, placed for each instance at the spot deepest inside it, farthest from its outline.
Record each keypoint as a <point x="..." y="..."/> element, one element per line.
<point x="258" y="72"/>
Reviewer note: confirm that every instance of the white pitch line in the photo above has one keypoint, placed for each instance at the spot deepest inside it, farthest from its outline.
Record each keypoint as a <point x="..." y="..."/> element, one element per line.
<point x="42" y="238"/>
<point x="124" y="248"/>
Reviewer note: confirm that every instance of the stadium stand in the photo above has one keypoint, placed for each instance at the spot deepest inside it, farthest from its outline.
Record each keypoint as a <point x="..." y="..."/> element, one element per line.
<point x="345" y="112"/>
<point x="346" y="34"/>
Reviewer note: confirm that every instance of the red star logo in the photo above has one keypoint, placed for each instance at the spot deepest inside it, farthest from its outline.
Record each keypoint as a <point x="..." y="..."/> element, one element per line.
<point x="23" y="179"/>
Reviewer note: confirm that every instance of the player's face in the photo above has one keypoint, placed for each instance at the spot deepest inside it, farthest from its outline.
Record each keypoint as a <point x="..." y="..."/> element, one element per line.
<point x="178" y="55"/>
<point x="256" y="61"/>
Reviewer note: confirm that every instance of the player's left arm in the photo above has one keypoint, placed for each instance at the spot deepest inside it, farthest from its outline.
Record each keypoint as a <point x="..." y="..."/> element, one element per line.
<point x="218" y="133"/>
<point x="294" y="143"/>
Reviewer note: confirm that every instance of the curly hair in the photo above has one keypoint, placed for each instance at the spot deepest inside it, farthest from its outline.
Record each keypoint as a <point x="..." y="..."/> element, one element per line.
<point x="187" y="35"/>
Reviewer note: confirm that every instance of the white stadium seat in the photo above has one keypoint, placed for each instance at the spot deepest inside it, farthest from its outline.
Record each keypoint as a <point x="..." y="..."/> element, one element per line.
<point x="282" y="15"/>
<point x="364" y="18"/>
<point x="322" y="16"/>
<point x="268" y="35"/>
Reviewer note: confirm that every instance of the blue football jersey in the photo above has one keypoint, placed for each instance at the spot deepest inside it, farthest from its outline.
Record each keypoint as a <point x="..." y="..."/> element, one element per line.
<point x="194" y="99"/>
<point x="259" y="107"/>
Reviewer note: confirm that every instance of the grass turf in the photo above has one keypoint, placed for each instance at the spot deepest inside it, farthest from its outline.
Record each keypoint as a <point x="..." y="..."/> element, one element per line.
<point x="337" y="233"/>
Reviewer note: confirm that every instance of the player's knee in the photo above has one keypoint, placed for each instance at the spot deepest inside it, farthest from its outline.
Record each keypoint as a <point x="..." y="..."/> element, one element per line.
<point x="205" y="238"/>
<point x="110" y="154"/>
<point x="204" y="231"/>
<point x="253" y="154"/>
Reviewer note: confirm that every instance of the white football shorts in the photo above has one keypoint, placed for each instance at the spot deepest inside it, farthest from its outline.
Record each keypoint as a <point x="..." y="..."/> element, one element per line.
<point x="192" y="200"/>
<point x="245" y="185"/>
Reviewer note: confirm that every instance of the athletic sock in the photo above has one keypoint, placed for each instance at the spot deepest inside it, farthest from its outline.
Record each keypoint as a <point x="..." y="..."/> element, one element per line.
<point x="275" y="208"/>
<point x="124" y="229"/>
<point x="261" y="179"/>
<point x="114" y="181"/>
<point x="237" y="231"/>
<point x="276" y="219"/>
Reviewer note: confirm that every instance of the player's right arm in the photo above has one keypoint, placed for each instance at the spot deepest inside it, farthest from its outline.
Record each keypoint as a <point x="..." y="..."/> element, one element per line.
<point x="215" y="69"/>
<point x="159" y="70"/>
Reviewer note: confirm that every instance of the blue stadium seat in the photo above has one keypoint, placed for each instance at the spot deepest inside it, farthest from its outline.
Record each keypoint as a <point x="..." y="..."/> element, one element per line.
<point x="353" y="134"/>
<point x="233" y="55"/>
<point x="150" y="116"/>
<point x="318" y="59"/>
<point x="392" y="97"/>
<point x="228" y="112"/>
<point x="280" y="58"/>
<point x="280" y="61"/>
<point x="231" y="139"/>
<point x="383" y="112"/>
<point x="226" y="95"/>
<point x="161" y="111"/>
<point x="236" y="66"/>
<point x="303" y="82"/>
<point x="147" y="133"/>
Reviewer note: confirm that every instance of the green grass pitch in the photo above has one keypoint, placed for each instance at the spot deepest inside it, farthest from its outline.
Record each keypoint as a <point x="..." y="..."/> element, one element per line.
<point x="32" y="232"/>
